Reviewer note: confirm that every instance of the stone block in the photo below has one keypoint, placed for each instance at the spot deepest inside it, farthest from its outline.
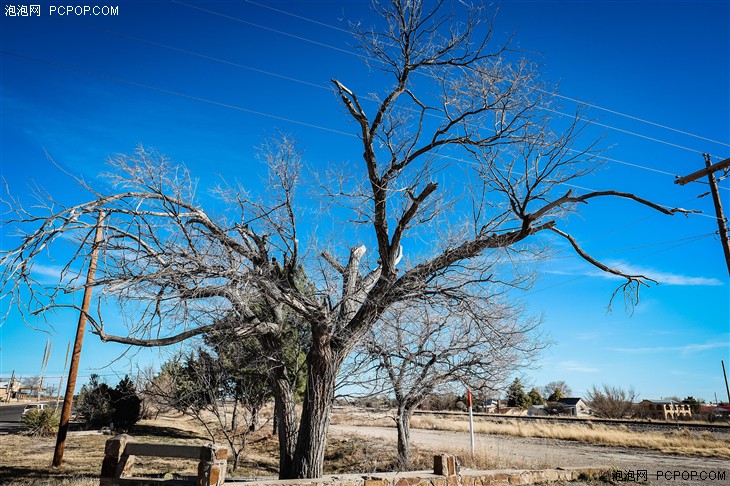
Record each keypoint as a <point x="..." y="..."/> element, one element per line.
<point x="445" y="465"/>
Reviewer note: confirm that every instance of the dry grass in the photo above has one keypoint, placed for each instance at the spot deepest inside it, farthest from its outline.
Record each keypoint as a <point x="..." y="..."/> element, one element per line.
<point x="26" y="461"/>
<point x="357" y="454"/>
<point x="682" y="441"/>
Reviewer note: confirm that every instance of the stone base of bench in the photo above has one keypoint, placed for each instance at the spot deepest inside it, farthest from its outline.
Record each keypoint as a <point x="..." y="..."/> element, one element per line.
<point x="120" y="451"/>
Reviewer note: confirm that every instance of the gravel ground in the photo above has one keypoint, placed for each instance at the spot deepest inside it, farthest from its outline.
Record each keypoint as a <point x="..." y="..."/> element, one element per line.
<point x="661" y="469"/>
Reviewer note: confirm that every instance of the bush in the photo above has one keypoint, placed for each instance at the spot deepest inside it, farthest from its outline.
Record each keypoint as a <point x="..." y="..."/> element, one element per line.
<point x="437" y="401"/>
<point x="101" y="406"/>
<point x="41" y="423"/>
<point x="126" y="405"/>
<point x="94" y="403"/>
<point x="612" y="401"/>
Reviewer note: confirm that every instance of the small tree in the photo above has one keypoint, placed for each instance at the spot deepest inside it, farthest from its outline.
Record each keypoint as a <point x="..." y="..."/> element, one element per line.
<point x="224" y="396"/>
<point x="95" y="403"/>
<point x="516" y="396"/>
<point x="534" y="397"/>
<point x="555" y="390"/>
<point x="555" y="396"/>
<point x="101" y="406"/>
<point x="556" y="408"/>
<point x="413" y="351"/>
<point x="611" y="401"/>
<point x="126" y="404"/>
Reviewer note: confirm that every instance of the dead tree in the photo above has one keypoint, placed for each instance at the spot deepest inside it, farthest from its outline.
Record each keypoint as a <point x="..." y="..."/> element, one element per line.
<point x="415" y="351"/>
<point x="455" y="109"/>
<point x="612" y="401"/>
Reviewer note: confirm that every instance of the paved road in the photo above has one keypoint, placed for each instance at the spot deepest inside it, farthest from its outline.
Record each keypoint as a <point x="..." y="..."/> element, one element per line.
<point x="10" y="416"/>
<point x="11" y="412"/>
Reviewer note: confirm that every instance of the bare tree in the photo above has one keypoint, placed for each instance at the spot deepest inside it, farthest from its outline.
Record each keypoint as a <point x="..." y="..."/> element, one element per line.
<point x="555" y="390"/>
<point x="417" y="350"/>
<point x="207" y="387"/>
<point x="611" y="401"/>
<point x="456" y="109"/>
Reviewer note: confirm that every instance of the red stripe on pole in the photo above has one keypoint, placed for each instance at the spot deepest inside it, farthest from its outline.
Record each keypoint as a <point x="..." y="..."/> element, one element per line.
<point x="468" y="397"/>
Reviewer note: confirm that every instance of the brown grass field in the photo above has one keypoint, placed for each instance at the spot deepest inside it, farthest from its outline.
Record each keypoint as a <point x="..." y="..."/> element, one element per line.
<point x="26" y="461"/>
<point x="682" y="441"/>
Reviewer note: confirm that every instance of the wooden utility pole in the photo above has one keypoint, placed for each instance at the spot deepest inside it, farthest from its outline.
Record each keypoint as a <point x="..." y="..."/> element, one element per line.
<point x="60" y="383"/>
<point x="709" y="171"/>
<point x="44" y="365"/>
<point x="73" y="370"/>
<point x="10" y="387"/>
<point x="727" y="388"/>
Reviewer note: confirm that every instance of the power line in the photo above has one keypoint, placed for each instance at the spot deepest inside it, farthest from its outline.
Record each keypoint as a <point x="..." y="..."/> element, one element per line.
<point x="270" y="29"/>
<point x="228" y="105"/>
<point x="170" y="92"/>
<point x="575" y="100"/>
<point x="327" y="88"/>
<point x="629" y="132"/>
<point x="290" y="14"/>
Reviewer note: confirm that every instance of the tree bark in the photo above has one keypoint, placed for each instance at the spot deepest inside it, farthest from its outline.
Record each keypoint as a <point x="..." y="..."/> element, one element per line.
<point x="275" y="419"/>
<point x="322" y="367"/>
<point x="285" y="421"/>
<point x="403" y="424"/>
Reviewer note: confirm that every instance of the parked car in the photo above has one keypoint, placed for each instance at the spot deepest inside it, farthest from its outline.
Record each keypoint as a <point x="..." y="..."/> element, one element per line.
<point x="34" y="406"/>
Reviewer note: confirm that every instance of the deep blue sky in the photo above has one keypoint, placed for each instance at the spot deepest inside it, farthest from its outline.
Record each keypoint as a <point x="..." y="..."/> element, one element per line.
<point x="233" y="73"/>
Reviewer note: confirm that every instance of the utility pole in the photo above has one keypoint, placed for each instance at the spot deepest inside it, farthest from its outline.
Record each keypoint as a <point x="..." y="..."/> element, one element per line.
<point x="78" y="342"/>
<point x="9" y="390"/>
<point x="44" y="365"/>
<point x="727" y="389"/>
<point x="709" y="171"/>
<point x="60" y="383"/>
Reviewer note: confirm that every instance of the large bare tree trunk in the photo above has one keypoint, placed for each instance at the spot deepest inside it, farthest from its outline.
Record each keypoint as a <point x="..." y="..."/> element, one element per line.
<point x="322" y="367"/>
<point x="286" y="419"/>
<point x="403" y="424"/>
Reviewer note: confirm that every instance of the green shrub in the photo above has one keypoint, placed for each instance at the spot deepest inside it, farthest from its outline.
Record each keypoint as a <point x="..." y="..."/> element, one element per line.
<point x="100" y="405"/>
<point x="41" y="423"/>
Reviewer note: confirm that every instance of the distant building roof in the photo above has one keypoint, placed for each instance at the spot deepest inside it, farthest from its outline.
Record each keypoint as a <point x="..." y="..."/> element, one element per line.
<point x="661" y="402"/>
<point x="570" y="400"/>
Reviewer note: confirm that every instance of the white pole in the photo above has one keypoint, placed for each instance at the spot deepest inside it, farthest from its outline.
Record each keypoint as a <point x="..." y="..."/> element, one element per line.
<point x="471" y="421"/>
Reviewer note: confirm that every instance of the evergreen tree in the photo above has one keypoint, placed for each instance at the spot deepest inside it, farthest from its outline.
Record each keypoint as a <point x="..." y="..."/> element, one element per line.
<point x="555" y="396"/>
<point x="126" y="405"/>
<point x="534" y="397"/>
<point x="516" y="396"/>
<point x="101" y="405"/>
<point x="94" y="403"/>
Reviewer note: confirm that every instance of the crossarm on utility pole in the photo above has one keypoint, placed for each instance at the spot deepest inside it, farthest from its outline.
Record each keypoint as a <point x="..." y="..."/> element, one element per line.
<point x="710" y="169"/>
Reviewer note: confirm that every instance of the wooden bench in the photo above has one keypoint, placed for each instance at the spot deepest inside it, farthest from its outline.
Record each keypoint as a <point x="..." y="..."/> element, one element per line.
<point x="120" y="451"/>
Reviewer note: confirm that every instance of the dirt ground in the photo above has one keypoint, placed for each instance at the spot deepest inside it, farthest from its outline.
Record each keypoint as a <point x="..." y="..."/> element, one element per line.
<point x="660" y="469"/>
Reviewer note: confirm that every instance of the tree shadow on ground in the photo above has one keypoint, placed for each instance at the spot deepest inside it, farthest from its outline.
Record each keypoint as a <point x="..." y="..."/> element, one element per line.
<point x="40" y="476"/>
<point x="166" y="432"/>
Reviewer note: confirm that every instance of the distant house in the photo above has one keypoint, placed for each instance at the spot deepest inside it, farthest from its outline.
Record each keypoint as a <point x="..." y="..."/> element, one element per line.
<point x="575" y="406"/>
<point x="665" y="409"/>
<point x="6" y="388"/>
<point x="490" y="405"/>
<point x="537" y="411"/>
<point x="714" y="408"/>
